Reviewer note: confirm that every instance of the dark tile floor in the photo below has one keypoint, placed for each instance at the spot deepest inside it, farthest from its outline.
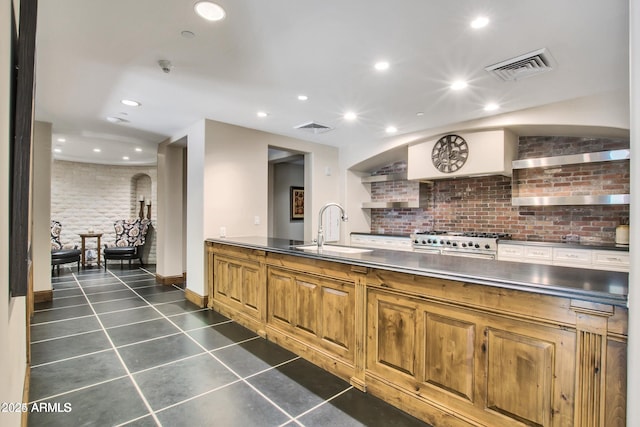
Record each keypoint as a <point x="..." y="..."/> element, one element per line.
<point x="117" y="349"/>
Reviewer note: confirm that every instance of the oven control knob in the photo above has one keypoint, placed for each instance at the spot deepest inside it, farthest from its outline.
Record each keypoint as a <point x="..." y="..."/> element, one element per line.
<point x="470" y="244"/>
<point x="448" y="242"/>
<point x="477" y="246"/>
<point x="416" y="241"/>
<point x="442" y="242"/>
<point x="487" y="246"/>
<point x="454" y="244"/>
<point x="464" y="245"/>
<point x="424" y="242"/>
<point x="429" y="241"/>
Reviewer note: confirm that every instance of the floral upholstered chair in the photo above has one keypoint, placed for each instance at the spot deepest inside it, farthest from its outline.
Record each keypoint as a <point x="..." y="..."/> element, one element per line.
<point x="130" y="240"/>
<point x="59" y="253"/>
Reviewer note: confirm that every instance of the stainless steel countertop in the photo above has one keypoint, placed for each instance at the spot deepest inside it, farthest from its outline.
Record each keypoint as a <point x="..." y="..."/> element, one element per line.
<point x="607" y="287"/>
<point x="572" y="245"/>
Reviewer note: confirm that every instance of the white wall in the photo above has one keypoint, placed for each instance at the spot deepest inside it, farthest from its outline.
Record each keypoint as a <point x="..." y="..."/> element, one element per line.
<point x="41" y="252"/>
<point x="13" y="357"/>
<point x="91" y="196"/>
<point x="286" y="175"/>
<point x="227" y="186"/>
<point x="170" y="224"/>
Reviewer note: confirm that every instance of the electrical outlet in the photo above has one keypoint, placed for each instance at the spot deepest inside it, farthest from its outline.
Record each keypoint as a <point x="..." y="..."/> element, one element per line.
<point x="223" y="231"/>
<point x="256" y="220"/>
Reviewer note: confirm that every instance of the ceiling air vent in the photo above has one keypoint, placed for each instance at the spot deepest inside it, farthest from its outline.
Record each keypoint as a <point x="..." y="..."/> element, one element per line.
<point x="527" y="65"/>
<point x="313" y="127"/>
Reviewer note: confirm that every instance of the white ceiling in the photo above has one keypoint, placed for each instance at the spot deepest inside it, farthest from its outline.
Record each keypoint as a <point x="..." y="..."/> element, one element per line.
<point x="92" y="54"/>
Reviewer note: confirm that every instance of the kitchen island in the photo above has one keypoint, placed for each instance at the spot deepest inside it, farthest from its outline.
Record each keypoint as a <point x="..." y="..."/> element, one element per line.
<point x="454" y="341"/>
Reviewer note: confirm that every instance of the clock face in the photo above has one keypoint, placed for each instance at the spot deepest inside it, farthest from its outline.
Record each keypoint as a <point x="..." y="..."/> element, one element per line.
<point x="450" y="153"/>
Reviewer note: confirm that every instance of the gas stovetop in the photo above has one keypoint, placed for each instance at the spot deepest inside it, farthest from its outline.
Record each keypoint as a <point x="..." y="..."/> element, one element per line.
<point x="461" y="241"/>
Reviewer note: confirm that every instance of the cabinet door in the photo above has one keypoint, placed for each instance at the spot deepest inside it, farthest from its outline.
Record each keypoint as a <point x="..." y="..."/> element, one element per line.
<point x="238" y="284"/>
<point x="611" y="260"/>
<point x="315" y="309"/>
<point x="502" y="371"/>
<point x="572" y="257"/>
<point x="281" y="297"/>
<point x="392" y="338"/>
<point x="510" y="252"/>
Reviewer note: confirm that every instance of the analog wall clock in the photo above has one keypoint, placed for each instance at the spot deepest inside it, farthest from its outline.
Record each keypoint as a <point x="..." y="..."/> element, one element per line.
<point x="450" y="153"/>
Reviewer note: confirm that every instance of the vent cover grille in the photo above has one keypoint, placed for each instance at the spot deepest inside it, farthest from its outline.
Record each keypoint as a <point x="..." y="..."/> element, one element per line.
<point x="313" y="127"/>
<point x="527" y="65"/>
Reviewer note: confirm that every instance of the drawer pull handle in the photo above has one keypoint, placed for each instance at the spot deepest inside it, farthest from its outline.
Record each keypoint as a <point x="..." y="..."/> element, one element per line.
<point x="614" y="259"/>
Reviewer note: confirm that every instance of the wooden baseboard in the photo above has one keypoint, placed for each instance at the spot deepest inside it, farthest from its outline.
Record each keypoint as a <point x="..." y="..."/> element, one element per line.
<point x="170" y="280"/>
<point x="199" y="300"/>
<point x="43" y="296"/>
<point x="25" y="395"/>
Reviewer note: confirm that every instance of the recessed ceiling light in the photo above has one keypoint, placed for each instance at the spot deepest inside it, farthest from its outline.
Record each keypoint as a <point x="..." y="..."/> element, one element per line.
<point x="187" y="34"/>
<point x="57" y="150"/>
<point x="209" y="11"/>
<point x="419" y="114"/>
<point x="130" y="103"/>
<point x="96" y="150"/>
<point x="491" y="107"/>
<point x="391" y="129"/>
<point x="261" y="114"/>
<point x="61" y="140"/>
<point x="381" y="66"/>
<point x="458" y="85"/>
<point x="479" y="22"/>
<point x="302" y="97"/>
<point x="125" y="157"/>
<point x="138" y="149"/>
<point x="113" y="119"/>
<point x="350" y="115"/>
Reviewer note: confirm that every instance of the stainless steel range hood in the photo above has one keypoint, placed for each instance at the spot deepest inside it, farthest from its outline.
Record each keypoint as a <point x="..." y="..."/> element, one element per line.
<point x="490" y="153"/>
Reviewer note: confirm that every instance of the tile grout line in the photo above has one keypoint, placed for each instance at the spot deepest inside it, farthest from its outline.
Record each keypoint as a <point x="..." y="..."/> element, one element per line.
<point x="319" y="405"/>
<point x="215" y="388"/>
<point x="66" y="336"/>
<point x="69" y="358"/>
<point x="218" y="360"/>
<point x="53" y="396"/>
<point x="120" y="326"/>
<point x="61" y="320"/>
<point x="126" y="368"/>
<point x="239" y="379"/>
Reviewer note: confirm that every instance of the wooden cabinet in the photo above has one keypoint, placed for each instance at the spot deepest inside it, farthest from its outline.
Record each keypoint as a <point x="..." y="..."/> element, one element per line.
<point x="451" y="353"/>
<point x="597" y="259"/>
<point x="316" y="310"/>
<point x="572" y="257"/>
<point x="498" y="371"/>
<point x="610" y="260"/>
<point x="237" y="285"/>
<point x="454" y="353"/>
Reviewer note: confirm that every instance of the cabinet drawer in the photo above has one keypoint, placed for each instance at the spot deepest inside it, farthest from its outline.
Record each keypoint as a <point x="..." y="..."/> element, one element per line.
<point x="510" y="251"/>
<point x="611" y="259"/>
<point x="571" y="257"/>
<point x="538" y="254"/>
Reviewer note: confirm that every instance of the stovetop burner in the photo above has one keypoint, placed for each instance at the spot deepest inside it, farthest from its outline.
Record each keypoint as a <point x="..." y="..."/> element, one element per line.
<point x="480" y="234"/>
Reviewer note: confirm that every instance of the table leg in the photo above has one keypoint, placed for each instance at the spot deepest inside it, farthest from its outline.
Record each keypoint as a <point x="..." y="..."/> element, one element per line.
<point x="98" y="251"/>
<point x="82" y="254"/>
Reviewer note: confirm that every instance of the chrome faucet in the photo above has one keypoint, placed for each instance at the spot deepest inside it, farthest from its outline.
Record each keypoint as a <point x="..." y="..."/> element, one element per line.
<point x="343" y="216"/>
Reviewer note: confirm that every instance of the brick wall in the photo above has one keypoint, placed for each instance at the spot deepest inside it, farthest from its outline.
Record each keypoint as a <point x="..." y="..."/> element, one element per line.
<point x="484" y="204"/>
<point x="89" y="196"/>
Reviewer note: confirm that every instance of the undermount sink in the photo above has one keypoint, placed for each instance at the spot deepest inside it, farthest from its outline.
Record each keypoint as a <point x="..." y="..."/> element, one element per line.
<point x="333" y="248"/>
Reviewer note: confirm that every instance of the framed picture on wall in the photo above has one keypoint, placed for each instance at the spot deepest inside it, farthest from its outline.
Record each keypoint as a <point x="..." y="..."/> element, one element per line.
<point x="296" y="203"/>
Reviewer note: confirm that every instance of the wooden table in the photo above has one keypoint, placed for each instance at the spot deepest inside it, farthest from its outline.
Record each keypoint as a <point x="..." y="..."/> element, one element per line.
<point x="84" y="236"/>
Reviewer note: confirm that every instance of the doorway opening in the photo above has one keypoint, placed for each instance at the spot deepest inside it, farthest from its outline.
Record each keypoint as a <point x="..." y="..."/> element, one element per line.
<point x="286" y="194"/>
